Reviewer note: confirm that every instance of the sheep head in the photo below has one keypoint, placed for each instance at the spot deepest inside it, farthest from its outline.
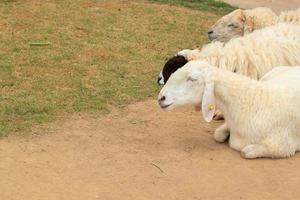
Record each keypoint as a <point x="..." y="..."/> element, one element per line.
<point x="229" y="26"/>
<point x="170" y="67"/>
<point x="190" y="85"/>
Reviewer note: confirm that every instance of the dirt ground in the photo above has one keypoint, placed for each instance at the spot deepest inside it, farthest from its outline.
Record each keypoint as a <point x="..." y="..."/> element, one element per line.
<point x="139" y="152"/>
<point x="276" y="5"/>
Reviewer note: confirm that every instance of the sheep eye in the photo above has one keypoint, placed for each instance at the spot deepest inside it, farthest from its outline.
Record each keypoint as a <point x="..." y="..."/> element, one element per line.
<point x="191" y="79"/>
<point x="233" y="25"/>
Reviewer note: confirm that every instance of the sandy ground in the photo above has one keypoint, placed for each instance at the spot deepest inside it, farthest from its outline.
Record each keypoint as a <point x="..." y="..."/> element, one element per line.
<point x="276" y="5"/>
<point x="139" y="152"/>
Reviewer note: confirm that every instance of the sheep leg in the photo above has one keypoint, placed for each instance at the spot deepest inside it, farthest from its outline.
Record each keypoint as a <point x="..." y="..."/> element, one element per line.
<point x="270" y="148"/>
<point x="221" y="133"/>
<point x="254" y="151"/>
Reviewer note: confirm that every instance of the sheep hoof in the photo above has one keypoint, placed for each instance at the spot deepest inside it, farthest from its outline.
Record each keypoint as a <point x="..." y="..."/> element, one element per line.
<point x="253" y="151"/>
<point x="220" y="136"/>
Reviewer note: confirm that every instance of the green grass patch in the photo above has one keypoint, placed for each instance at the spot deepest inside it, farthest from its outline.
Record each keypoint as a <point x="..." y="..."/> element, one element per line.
<point x="206" y="5"/>
<point x="60" y="57"/>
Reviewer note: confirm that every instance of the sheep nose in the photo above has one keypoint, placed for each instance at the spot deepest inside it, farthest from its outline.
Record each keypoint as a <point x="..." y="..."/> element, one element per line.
<point x="161" y="99"/>
<point x="210" y="32"/>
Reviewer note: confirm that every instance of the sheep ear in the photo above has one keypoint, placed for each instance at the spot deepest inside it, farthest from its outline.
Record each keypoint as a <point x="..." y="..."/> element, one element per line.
<point x="208" y="102"/>
<point x="249" y="25"/>
<point x="242" y="17"/>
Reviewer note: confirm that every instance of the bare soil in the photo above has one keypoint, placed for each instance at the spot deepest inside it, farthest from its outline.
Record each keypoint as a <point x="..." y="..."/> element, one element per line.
<point x="139" y="152"/>
<point x="276" y="5"/>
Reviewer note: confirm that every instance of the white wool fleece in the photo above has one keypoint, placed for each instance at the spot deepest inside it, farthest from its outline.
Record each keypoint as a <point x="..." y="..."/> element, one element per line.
<point x="254" y="54"/>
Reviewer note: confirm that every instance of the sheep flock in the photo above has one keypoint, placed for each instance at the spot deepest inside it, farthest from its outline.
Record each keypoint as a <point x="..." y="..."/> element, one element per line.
<point x="248" y="75"/>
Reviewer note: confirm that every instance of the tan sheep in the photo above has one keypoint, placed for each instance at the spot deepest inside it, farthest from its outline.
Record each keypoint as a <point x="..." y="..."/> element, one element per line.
<point x="240" y="22"/>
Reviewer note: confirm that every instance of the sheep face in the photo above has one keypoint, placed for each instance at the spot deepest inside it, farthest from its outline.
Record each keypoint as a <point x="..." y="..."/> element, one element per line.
<point x="185" y="87"/>
<point x="170" y="67"/>
<point x="228" y="27"/>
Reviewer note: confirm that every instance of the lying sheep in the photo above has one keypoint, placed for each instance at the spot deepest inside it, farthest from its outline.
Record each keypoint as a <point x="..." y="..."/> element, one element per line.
<point x="241" y="22"/>
<point x="252" y="55"/>
<point x="174" y="63"/>
<point x="262" y="117"/>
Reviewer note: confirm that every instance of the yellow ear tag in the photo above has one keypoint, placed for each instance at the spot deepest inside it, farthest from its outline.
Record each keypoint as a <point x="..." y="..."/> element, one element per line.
<point x="211" y="107"/>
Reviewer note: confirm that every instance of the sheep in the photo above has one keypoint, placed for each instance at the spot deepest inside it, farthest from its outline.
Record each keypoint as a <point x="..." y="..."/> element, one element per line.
<point x="252" y="55"/>
<point x="176" y="62"/>
<point x="262" y="118"/>
<point x="241" y="22"/>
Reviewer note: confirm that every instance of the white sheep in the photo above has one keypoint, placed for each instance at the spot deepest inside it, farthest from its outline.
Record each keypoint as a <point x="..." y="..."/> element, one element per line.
<point x="262" y="117"/>
<point x="241" y="22"/>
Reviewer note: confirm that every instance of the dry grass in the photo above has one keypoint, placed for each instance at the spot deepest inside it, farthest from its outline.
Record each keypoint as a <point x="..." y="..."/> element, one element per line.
<point x="60" y="57"/>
